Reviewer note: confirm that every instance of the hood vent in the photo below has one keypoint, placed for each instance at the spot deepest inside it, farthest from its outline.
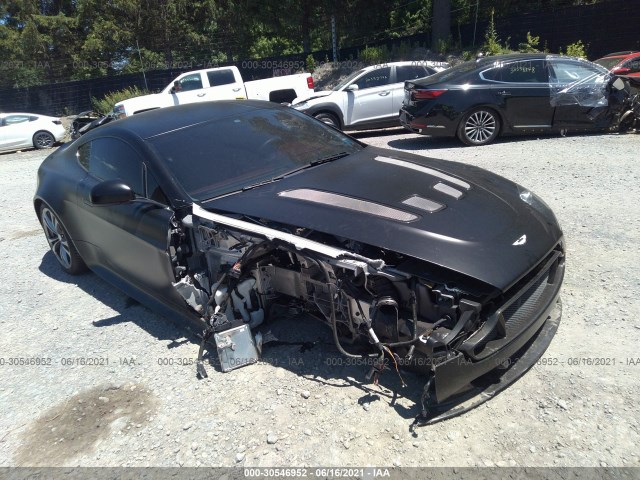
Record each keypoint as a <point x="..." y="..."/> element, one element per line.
<point x="423" y="169"/>
<point x="349" y="203"/>
<point x="446" y="189"/>
<point x="423" y="204"/>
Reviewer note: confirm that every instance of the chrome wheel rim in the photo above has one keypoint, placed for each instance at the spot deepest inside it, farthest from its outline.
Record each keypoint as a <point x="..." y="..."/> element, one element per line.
<point x="480" y="126"/>
<point x="58" y="241"/>
<point x="43" y="140"/>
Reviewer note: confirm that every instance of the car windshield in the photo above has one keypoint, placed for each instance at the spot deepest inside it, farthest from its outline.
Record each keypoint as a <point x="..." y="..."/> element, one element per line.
<point x="348" y="80"/>
<point x="608" y="62"/>
<point x="228" y="154"/>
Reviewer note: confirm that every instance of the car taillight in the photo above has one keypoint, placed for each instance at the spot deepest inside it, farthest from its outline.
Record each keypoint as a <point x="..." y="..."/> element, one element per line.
<point x="421" y="94"/>
<point x="310" y="83"/>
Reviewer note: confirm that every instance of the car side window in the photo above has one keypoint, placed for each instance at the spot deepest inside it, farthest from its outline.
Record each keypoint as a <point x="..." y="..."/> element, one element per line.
<point x="13" y="119"/>
<point x="113" y="159"/>
<point x="84" y="155"/>
<point x="191" y="82"/>
<point x="633" y="65"/>
<point x="569" y="72"/>
<point x="221" y="77"/>
<point x="411" y="72"/>
<point x="375" y="78"/>
<point x="494" y="74"/>
<point x="527" y="71"/>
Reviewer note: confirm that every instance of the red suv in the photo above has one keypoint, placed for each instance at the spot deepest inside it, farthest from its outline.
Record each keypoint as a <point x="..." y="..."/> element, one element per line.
<point x="622" y="63"/>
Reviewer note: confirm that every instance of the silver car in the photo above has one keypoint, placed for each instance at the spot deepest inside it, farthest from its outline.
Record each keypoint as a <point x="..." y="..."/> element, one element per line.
<point x="368" y="98"/>
<point x="29" y="130"/>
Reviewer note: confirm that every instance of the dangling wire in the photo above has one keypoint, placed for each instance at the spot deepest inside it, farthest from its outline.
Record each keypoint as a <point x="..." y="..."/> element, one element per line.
<point x="393" y="357"/>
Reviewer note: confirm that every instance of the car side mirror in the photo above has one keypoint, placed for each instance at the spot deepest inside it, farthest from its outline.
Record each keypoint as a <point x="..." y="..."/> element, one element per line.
<point x="352" y="88"/>
<point x="111" y="192"/>
<point x="621" y="70"/>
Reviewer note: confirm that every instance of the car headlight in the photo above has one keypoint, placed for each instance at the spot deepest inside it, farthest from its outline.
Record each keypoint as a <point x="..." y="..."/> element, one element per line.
<point x="301" y="105"/>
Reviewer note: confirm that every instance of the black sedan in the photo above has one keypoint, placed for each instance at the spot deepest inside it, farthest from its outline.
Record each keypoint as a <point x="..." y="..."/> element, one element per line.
<point x="511" y="95"/>
<point x="215" y="213"/>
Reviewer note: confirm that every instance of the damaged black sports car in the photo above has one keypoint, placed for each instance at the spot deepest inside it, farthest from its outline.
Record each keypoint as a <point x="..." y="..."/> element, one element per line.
<point x="214" y="212"/>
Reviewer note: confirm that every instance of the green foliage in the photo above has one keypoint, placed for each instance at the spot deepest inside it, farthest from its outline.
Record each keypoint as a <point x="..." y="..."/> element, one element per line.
<point x="310" y="63"/>
<point x="577" y="49"/>
<point x="531" y="45"/>
<point x="105" y="104"/>
<point x="47" y="41"/>
<point x="468" y="55"/>
<point x="492" y="44"/>
<point x="409" y="18"/>
<point x="443" y="46"/>
<point x="374" y="55"/>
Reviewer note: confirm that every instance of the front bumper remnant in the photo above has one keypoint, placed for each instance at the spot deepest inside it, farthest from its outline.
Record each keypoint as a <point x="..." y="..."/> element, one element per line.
<point x="490" y="376"/>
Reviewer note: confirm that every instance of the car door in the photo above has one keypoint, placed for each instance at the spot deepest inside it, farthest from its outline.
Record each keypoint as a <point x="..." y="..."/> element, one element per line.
<point x="372" y="100"/>
<point x="15" y="131"/>
<point x="521" y="90"/>
<point x="402" y="74"/>
<point x="223" y="85"/>
<point x="127" y="242"/>
<point x="190" y="89"/>
<point x="577" y="88"/>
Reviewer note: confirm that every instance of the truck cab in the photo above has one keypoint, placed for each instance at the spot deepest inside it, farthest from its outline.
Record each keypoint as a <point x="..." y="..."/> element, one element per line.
<point x="217" y="83"/>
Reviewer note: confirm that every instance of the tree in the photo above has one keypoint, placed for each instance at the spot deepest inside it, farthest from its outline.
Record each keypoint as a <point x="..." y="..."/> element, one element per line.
<point x="441" y="26"/>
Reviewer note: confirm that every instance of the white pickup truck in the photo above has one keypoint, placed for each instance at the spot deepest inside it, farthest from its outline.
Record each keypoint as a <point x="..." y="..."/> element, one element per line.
<point x="221" y="83"/>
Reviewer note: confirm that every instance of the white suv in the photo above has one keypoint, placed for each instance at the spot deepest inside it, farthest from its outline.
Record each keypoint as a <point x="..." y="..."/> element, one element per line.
<point x="368" y="98"/>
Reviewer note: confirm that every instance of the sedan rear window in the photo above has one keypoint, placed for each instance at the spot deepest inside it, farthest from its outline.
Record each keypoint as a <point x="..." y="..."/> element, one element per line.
<point x="223" y="155"/>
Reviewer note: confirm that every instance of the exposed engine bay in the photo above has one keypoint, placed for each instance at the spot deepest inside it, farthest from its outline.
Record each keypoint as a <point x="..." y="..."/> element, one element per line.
<point x="395" y="311"/>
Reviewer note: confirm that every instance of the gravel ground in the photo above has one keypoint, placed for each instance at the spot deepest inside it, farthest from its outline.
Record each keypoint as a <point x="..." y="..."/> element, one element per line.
<point x="118" y="384"/>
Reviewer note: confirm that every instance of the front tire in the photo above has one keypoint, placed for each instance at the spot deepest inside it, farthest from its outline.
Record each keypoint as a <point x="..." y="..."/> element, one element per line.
<point x="479" y="127"/>
<point x="60" y="242"/>
<point x="43" y="139"/>
<point x="329" y="119"/>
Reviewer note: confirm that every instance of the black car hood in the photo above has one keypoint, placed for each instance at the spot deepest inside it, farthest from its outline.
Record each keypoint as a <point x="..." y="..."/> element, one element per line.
<point x="489" y="233"/>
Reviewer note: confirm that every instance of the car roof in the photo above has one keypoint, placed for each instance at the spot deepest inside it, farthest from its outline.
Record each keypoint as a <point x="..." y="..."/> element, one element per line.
<point x="628" y="53"/>
<point x="420" y="63"/>
<point x="523" y="56"/>
<point x="22" y="113"/>
<point x="162" y="120"/>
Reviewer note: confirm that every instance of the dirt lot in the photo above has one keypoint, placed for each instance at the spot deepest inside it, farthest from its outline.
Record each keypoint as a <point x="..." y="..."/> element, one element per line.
<point x="89" y="377"/>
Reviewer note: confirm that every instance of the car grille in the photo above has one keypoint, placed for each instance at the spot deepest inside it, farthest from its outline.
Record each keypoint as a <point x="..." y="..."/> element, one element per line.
<point x="517" y="315"/>
<point x="523" y="308"/>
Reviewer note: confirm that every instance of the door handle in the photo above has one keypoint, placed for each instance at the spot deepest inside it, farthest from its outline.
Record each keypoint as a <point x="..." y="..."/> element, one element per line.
<point x="236" y="89"/>
<point x="385" y="93"/>
<point x="504" y="93"/>
<point x="201" y="94"/>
